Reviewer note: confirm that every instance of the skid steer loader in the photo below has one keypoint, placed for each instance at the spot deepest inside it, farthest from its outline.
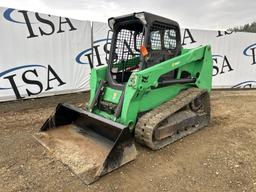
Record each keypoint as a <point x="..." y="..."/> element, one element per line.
<point x="152" y="91"/>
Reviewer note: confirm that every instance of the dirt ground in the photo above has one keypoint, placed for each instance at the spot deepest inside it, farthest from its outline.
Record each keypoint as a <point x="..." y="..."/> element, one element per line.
<point x="221" y="157"/>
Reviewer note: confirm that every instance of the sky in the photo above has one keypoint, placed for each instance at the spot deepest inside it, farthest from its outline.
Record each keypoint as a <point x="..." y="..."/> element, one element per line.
<point x="198" y="14"/>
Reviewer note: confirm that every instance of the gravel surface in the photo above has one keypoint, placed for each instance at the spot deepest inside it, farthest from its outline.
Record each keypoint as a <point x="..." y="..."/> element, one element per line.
<point x="218" y="158"/>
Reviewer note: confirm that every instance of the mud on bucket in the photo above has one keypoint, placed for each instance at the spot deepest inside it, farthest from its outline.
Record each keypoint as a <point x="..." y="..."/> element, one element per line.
<point x="88" y="144"/>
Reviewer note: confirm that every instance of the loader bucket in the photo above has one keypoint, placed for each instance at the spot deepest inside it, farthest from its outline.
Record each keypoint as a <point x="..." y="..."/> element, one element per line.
<point x="88" y="144"/>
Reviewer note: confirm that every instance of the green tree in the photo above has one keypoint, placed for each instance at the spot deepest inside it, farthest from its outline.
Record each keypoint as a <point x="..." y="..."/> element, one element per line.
<point x="249" y="27"/>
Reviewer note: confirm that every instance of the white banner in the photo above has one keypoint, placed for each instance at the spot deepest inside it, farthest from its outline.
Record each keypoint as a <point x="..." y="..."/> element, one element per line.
<point x="234" y="56"/>
<point x="37" y="54"/>
<point x="43" y="55"/>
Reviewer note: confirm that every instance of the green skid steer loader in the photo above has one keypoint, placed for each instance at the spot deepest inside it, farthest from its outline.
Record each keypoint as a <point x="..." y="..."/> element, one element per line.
<point x="152" y="91"/>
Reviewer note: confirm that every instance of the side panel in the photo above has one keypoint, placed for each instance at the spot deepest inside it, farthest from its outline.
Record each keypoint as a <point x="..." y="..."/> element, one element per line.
<point x="158" y="96"/>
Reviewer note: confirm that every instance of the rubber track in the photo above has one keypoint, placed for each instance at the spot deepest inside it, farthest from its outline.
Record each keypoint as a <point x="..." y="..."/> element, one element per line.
<point x="147" y="123"/>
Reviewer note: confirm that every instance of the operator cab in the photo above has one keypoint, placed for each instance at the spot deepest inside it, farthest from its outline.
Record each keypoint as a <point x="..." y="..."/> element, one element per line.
<point x="140" y="40"/>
